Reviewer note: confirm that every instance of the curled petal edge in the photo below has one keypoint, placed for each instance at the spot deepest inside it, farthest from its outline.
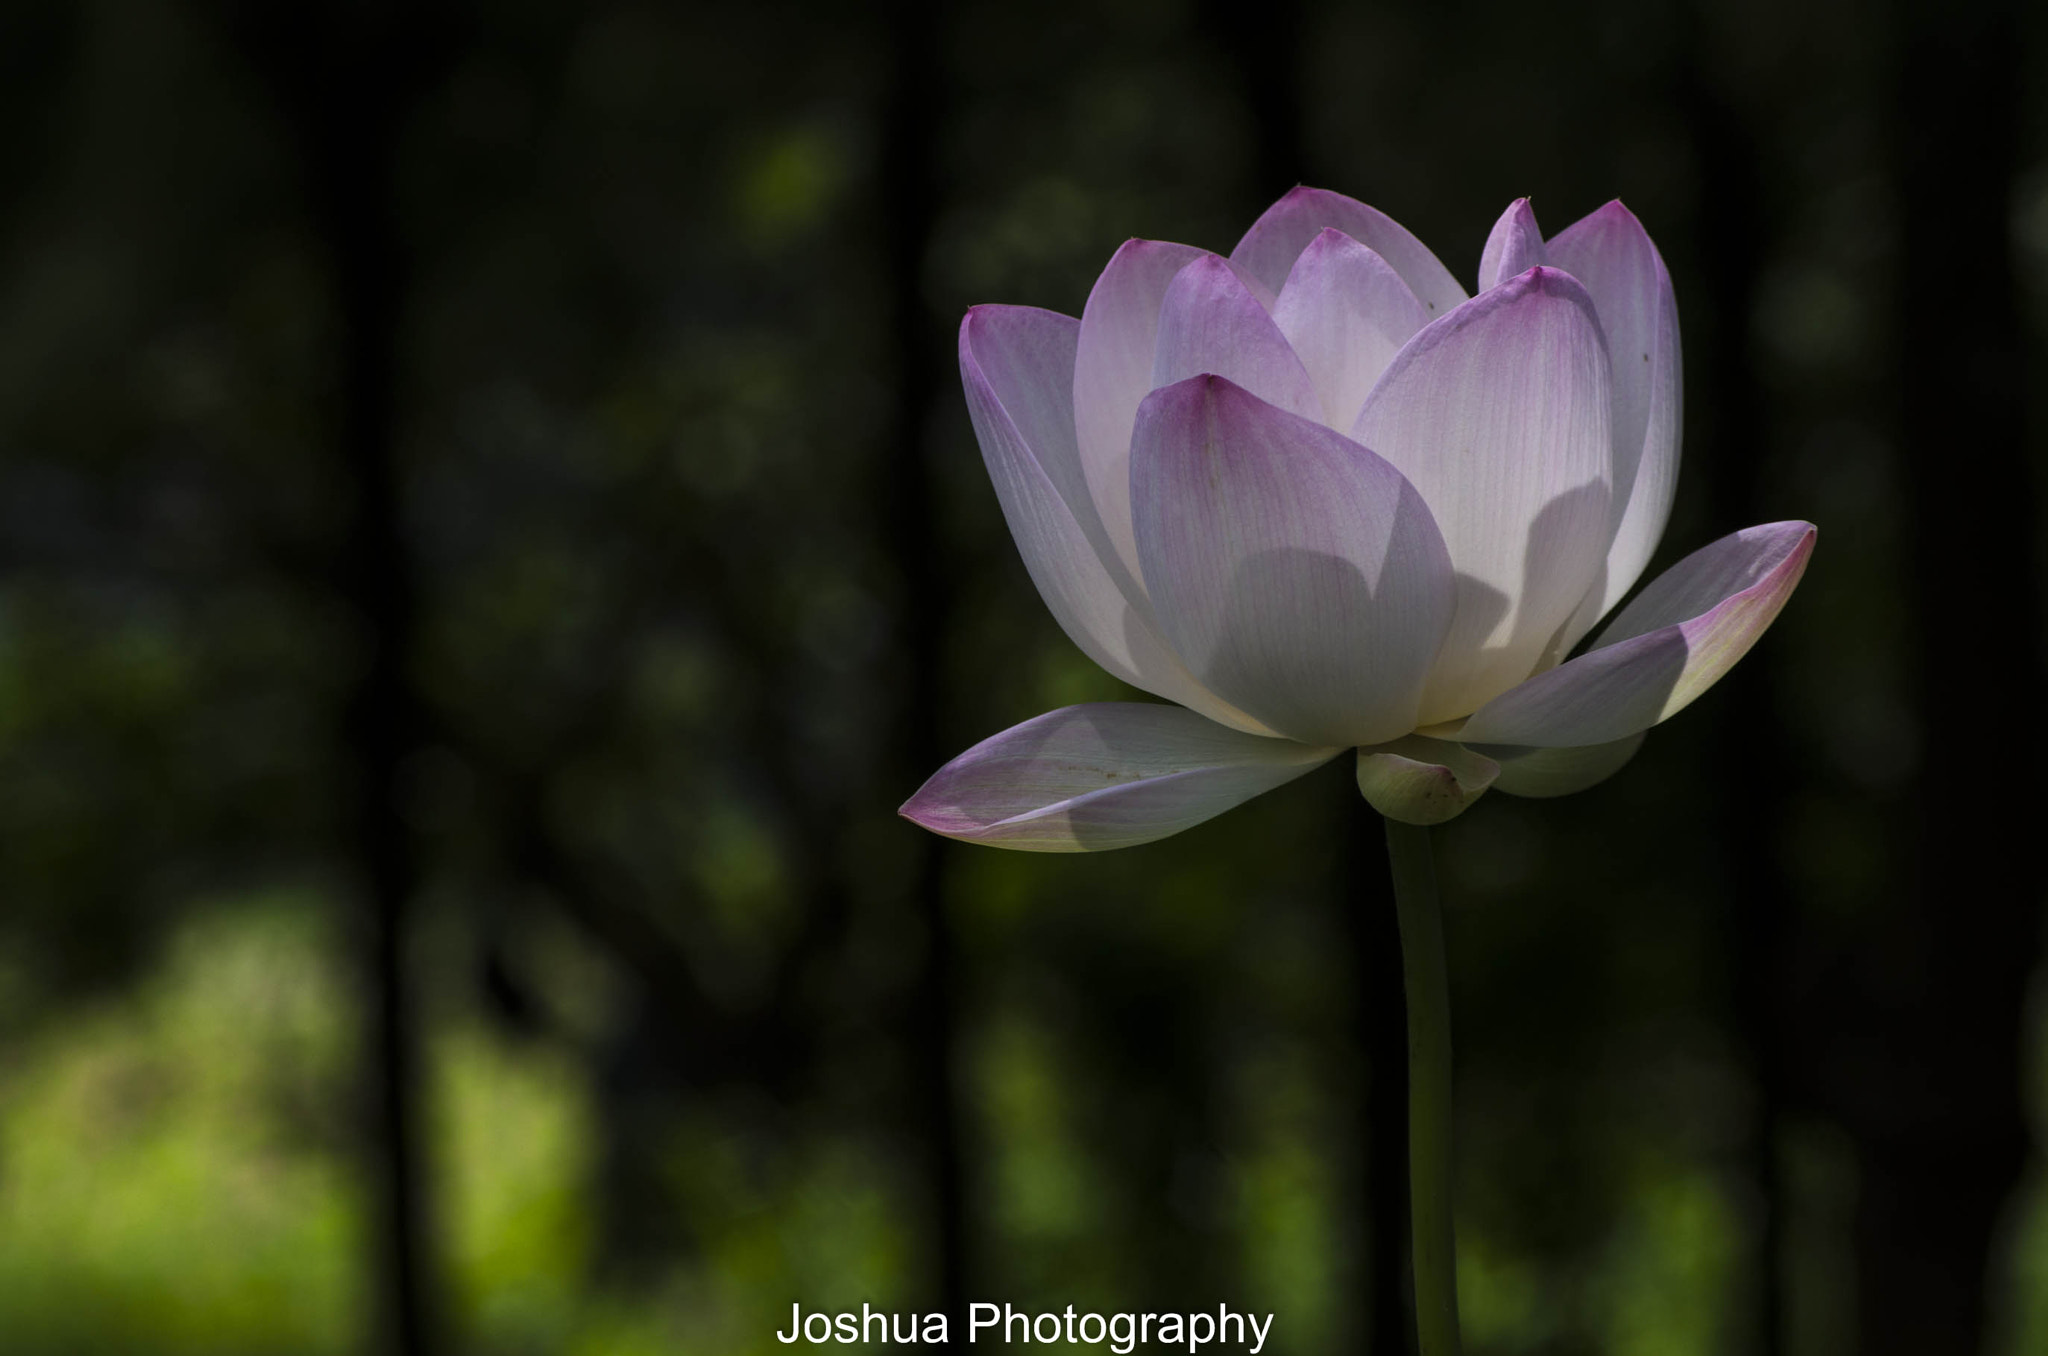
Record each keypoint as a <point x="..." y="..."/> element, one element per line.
<point x="1102" y="775"/>
<point x="1670" y="646"/>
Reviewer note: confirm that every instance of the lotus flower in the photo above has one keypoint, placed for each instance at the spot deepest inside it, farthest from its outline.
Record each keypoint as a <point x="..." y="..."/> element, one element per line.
<point x="1320" y="500"/>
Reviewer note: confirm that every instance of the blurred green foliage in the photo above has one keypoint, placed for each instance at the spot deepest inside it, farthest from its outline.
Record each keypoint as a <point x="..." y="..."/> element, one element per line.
<point x="178" y="1180"/>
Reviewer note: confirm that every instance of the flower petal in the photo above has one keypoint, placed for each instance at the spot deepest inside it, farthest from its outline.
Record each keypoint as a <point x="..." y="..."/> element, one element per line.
<point x="1276" y="240"/>
<point x="1105" y="775"/>
<point x="1499" y="414"/>
<point x="1543" y="773"/>
<point x="1612" y="255"/>
<point x="1021" y="358"/>
<point x="1016" y="364"/>
<point x="1417" y="780"/>
<point x="1211" y="323"/>
<point x="1113" y="372"/>
<point x="1671" y="644"/>
<point x="1513" y="247"/>
<point x="1298" y="574"/>
<point x="1346" y="312"/>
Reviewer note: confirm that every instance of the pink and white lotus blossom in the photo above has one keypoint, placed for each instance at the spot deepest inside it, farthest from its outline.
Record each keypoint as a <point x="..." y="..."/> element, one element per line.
<point x="1321" y="500"/>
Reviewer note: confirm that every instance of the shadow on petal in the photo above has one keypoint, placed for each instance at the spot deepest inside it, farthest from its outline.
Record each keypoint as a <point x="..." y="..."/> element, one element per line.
<point x="1319" y="651"/>
<point x="1544" y="773"/>
<point x="1565" y="557"/>
<point x="1599" y="697"/>
<point x="1496" y="640"/>
<point x="1250" y="660"/>
<point x="1664" y="658"/>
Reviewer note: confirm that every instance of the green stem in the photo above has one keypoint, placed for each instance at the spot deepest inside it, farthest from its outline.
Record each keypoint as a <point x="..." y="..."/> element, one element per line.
<point x="1427" y="982"/>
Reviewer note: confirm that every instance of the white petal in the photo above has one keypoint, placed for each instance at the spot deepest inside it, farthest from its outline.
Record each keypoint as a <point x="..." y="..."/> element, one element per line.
<point x="1499" y="414"/>
<point x="1513" y="247"/>
<point x="1210" y="323"/>
<point x="1667" y="647"/>
<point x="1346" y="312"/>
<point x="1298" y="574"/>
<point x="1276" y="240"/>
<point x="1611" y="254"/>
<point x="1106" y="775"/>
<point x="1016" y="364"/>
<point x="1544" y="773"/>
<point x="1113" y="372"/>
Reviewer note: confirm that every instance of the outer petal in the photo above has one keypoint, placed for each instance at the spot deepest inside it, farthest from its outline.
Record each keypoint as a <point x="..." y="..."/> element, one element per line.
<point x="1417" y="780"/>
<point x="1499" y="414"/>
<point x="1276" y="240"/>
<point x="1543" y="773"/>
<point x="1105" y="775"/>
<point x="1113" y="372"/>
<point x="1210" y="322"/>
<point x="1016" y="364"/>
<point x="1667" y="647"/>
<point x="1298" y="574"/>
<point x="1514" y="246"/>
<point x="1346" y="312"/>
<point x="1612" y="255"/>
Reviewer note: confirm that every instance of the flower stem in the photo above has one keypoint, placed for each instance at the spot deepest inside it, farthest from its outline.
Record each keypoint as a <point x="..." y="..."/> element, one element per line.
<point x="1427" y="983"/>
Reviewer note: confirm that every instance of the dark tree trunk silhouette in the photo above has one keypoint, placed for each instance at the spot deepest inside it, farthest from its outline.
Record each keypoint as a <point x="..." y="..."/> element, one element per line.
<point x="383" y="721"/>
<point x="1731" y="436"/>
<point x="1937" y="1114"/>
<point x="347" y="77"/>
<point x="914" y="119"/>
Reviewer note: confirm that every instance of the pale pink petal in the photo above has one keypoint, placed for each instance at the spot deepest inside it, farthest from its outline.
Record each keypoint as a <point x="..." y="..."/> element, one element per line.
<point x="1346" y="312"/>
<point x="1106" y="775"/>
<point x="1113" y="372"/>
<point x="1210" y="323"/>
<point x="1276" y="240"/>
<point x="1499" y="414"/>
<point x="1612" y="255"/>
<point x="1543" y="773"/>
<point x="1417" y="780"/>
<point x="1671" y="644"/>
<point x="1016" y="364"/>
<point x="1514" y="246"/>
<point x="1299" y="575"/>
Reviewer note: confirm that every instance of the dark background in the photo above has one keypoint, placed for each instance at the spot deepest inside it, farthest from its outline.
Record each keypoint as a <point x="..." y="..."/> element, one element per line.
<point x="489" y="533"/>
